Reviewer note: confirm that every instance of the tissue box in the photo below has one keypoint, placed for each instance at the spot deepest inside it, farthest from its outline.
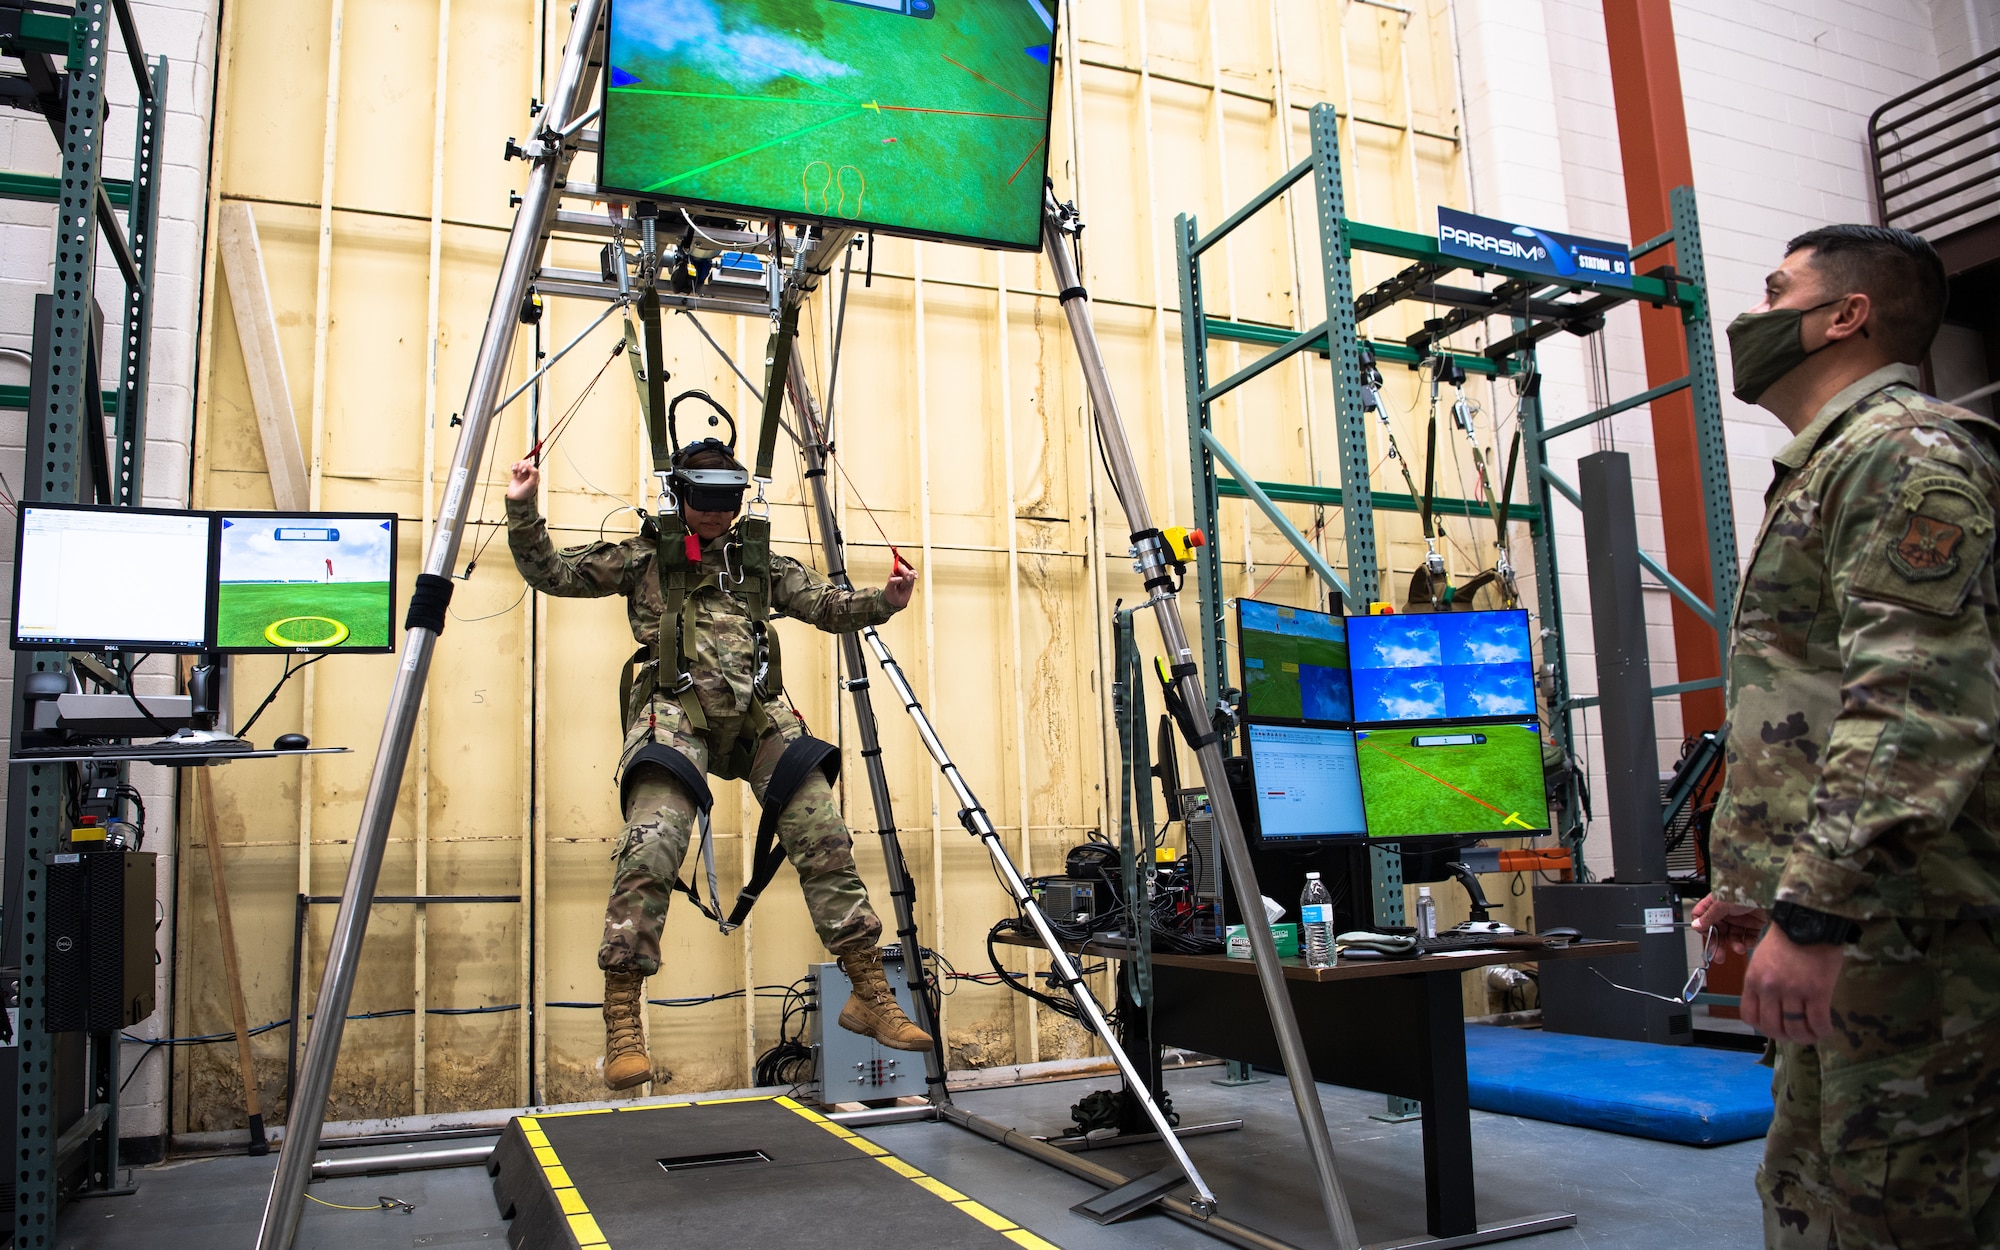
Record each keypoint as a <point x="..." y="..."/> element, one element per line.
<point x="1236" y="941"/>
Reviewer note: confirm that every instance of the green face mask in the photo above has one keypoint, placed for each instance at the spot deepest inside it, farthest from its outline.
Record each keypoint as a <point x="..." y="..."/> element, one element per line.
<point x="1764" y="347"/>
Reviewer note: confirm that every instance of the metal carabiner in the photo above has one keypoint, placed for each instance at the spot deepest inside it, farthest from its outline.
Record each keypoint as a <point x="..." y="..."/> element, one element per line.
<point x="760" y="506"/>
<point x="667" y="506"/>
<point x="737" y="575"/>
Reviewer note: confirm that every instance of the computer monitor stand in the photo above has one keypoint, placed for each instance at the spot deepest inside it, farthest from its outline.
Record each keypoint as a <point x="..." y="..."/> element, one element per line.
<point x="213" y="692"/>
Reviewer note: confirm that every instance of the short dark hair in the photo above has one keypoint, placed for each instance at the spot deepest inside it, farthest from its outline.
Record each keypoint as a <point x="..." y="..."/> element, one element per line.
<point x="1899" y="272"/>
<point x="710" y="456"/>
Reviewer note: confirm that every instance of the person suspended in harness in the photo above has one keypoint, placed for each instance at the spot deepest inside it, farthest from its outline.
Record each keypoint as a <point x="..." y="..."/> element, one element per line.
<point x="703" y="695"/>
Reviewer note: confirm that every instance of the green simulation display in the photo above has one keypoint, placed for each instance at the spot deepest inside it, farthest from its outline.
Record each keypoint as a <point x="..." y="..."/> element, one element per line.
<point x="927" y="118"/>
<point x="1425" y="779"/>
<point x="305" y="582"/>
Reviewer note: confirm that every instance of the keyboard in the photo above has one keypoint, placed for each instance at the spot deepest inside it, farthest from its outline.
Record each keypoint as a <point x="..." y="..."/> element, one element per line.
<point x="198" y="747"/>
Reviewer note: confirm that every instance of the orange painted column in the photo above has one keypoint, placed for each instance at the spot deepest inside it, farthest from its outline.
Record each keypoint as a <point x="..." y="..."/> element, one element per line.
<point x="1652" y="133"/>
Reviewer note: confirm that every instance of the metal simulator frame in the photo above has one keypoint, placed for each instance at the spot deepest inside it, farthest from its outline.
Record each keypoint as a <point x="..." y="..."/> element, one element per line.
<point x="791" y="279"/>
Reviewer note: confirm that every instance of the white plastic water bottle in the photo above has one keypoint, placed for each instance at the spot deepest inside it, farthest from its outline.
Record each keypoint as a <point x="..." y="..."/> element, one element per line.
<point x="1316" y="923"/>
<point x="1427" y="913"/>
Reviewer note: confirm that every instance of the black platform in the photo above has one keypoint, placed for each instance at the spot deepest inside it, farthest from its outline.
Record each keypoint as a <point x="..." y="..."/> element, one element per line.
<point x="744" y="1173"/>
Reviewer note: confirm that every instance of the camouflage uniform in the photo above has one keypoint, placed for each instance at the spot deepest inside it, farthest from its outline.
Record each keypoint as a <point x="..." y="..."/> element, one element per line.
<point x="658" y="815"/>
<point x="1864" y="695"/>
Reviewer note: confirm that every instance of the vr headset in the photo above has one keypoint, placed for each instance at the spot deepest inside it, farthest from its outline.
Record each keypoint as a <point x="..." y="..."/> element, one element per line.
<point x="706" y="490"/>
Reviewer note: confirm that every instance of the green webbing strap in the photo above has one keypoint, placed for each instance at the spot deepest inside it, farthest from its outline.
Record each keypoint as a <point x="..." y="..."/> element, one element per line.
<point x="653" y="396"/>
<point x="1128" y="703"/>
<point x="777" y="366"/>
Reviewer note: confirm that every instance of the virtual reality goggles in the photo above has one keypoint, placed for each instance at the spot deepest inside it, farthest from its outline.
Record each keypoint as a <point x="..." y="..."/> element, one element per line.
<point x="710" y="490"/>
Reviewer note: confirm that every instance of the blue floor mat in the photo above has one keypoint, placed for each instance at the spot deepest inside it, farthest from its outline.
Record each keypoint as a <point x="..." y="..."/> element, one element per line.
<point x="1685" y="1094"/>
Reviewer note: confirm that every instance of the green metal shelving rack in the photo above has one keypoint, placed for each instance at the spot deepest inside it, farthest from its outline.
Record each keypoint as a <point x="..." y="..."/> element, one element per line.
<point x="1538" y="306"/>
<point x="67" y="57"/>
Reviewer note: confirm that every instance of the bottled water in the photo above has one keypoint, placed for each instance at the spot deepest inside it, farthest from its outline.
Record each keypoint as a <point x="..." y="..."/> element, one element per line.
<point x="1316" y="923"/>
<point x="1427" y="913"/>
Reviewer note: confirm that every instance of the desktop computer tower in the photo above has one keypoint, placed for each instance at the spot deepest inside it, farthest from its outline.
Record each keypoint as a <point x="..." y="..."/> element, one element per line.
<point x="1575" y="995"/>
<point x="100" y="940"/>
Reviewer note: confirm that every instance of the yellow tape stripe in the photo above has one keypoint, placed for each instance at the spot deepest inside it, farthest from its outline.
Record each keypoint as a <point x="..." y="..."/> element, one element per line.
<point x="586" y="1229"/>
<point x="985" y="1215"/>
<point x="568" y="1198"/>
<point x="571" y="1202"/>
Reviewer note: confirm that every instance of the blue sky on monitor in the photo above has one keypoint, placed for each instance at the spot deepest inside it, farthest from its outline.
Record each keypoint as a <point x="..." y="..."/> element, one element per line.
<point x="252" y="551"/>
<point x="1273" y="618"/>
<point x="746" y="54"/>
<point x="1448" y="665"/>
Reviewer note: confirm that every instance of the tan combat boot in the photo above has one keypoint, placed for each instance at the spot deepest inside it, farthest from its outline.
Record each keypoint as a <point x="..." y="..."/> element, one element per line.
<point x="872" y="1010"/>
<point x="625" y="1060"/>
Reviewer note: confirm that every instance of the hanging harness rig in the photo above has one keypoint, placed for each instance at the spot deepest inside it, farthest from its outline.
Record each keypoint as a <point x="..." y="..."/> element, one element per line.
<point x="745" y="557"/>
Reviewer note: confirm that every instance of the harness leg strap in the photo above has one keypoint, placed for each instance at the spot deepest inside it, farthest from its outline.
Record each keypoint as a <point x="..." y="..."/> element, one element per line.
<point x="804" y="755"/>
<point x="682" y="770"/>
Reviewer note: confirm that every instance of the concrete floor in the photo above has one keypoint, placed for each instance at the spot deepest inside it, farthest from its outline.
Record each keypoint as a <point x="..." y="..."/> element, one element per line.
<point x="1628" y="1194"/>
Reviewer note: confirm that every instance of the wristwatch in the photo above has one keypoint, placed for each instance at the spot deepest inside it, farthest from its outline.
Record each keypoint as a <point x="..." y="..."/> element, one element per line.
<point x="1814" y="928"/>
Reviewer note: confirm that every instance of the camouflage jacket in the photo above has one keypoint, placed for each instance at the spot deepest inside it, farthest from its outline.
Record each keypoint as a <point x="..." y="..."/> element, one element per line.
<point x="722" y="648"/>
<point x="1863" y="690"/>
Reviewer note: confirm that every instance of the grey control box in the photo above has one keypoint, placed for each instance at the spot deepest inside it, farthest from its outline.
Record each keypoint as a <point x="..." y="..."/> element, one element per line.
<point x="853" y="1068"/>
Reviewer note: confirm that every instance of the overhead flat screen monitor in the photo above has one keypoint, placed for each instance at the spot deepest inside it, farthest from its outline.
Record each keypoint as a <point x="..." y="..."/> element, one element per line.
<point x="305" y="582"/>
<point x="927" y="118"/>
<point x="1479" y="778"/>
<point x="1294" y="662"/>
<point x="1441" y="666"/>
<point x="100" y="578"/>
<point x="1308" y="783"/>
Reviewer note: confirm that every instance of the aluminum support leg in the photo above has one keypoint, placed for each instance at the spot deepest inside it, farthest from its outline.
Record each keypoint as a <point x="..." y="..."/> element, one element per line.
<point x="525" y="245"/>
<point x="1057" y="225"/>
<point x="901" y="891"/>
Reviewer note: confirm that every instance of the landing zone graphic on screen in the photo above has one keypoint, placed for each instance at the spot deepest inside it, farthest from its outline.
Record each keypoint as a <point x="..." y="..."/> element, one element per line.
<point x="920" y="116"/>
<point x="1481" y="778"/>
<point x="1294" y="662"/>
<point x="289" y="583"/>
<point x="1442" y="666"/>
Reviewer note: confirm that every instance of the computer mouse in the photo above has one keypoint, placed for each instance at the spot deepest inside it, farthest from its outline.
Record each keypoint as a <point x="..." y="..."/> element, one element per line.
<point x="1562" y="931"/>
<point x="291" y="742"/>
<point x="1494" y="927"/>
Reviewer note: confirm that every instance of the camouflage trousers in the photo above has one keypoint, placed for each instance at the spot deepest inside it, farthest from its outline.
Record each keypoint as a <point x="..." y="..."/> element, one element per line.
<point x="659" y="819"/>
<point x="1887" y="1132"/>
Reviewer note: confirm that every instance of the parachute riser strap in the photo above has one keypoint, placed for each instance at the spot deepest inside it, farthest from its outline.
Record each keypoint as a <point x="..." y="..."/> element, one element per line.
<point x="777" y="363"/>
<point x="654" y="393"/>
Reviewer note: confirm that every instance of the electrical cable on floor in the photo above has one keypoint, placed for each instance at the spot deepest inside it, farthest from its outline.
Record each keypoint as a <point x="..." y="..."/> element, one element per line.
<point x="384" y="1203"/>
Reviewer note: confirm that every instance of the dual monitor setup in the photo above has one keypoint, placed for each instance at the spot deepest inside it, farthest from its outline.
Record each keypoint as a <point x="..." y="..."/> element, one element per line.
<point x="154" y="580"/>
<point x="1368" y="728"/>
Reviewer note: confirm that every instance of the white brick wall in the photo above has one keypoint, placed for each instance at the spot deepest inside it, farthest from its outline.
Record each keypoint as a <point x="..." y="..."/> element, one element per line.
<point x="1777" y="95"/>
<point x="183" y="31"/>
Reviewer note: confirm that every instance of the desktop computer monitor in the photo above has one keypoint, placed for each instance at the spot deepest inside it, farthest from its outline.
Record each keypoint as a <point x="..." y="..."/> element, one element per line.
<point x="1308" y="784"/>
<point x="1294" y="662"/>
<point x="1482" y="778"/>
<point x="1441" y="666"/>
<point x="130" y="579"/>
<point x="305" y="582"/>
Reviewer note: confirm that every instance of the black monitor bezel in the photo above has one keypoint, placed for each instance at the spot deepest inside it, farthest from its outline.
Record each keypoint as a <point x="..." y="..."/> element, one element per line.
<point x="1324" y="839"/>
<point x="1243" y="670"/>
<point x="136" y="645"/>
<point x="1461" y="722"/>
<point x="215" y="577"/>
<point x="776" y="216"/>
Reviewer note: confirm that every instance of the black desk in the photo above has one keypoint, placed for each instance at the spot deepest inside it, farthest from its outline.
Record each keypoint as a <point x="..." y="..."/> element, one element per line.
<point x="1393" y="1026"/>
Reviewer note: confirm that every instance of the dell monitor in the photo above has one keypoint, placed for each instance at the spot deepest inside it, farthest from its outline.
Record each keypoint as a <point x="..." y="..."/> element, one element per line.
<point x="1308" y="784"/>
<point x="924" y="118"/>
<point x="1481" y="778"/>
<point x="1441" y="666"/>
<point x="1294" y="663"/>
<point x="129" y="579"/>
<point x="305" y="582"/>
